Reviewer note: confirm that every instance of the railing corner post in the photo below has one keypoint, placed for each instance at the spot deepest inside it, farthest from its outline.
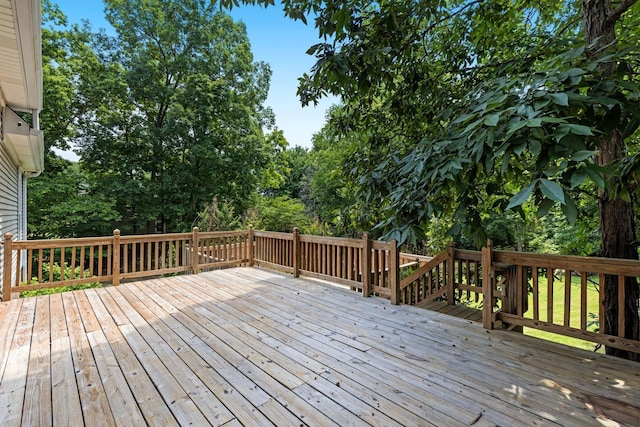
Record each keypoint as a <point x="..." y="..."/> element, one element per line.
<point x="487" y="286"/>
<point x="6" y="266"/>
<point x="296" y="252"/>
<point x="195" y="244"/>
<point x="366" y="265"/>
<point x="394" y="273"/>
<point x="451" y="260"/>
<point x="115" y="281"/>
<point x="251" y="246"/>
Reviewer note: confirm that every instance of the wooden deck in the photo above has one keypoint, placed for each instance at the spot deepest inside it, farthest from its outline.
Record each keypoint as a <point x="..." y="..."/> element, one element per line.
<point x="252" y="347"/>
<point x="460" y="311"/>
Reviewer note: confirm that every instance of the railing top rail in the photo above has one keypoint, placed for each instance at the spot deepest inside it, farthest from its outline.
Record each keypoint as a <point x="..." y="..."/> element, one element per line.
<point x="61" y="243"/>
<point x="380" y="244"/>
<point x="467" y="255"/>
<point x="423" y="258"/>
<point x="138" y="238"/>
<point x="214" y="234"/>
<point x="598" y="265"/>
<point x="273" y="235"/>
<point x="337" y="241"/>
<point x="423" y="270"/>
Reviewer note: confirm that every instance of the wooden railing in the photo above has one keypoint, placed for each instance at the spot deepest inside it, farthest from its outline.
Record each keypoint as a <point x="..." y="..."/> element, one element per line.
<point x="452" y="276"/>
<point x="66" y="262"/>
<point x="365" y="265"/>
<point x="526" y="290"/>
<point x="559" y="294"/>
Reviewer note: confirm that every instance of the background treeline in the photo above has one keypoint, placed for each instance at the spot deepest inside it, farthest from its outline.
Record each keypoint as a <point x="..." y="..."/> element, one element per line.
<point x="170" y="123"/>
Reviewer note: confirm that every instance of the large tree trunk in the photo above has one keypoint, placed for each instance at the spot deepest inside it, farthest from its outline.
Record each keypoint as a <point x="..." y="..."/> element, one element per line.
<point x="617" y="228"/>
<point x="617" y="225"/>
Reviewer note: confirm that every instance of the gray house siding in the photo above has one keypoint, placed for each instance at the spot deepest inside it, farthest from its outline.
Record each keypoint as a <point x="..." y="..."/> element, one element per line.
<point x="10" y="186"/>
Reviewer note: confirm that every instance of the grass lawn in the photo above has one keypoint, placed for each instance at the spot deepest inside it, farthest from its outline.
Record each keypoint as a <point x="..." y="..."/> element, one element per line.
<point x="558" y="309"/>
<point x="559" y="306"/>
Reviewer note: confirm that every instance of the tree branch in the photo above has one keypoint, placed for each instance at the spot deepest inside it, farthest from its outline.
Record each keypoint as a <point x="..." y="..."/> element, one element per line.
<point x="619" y="10"/>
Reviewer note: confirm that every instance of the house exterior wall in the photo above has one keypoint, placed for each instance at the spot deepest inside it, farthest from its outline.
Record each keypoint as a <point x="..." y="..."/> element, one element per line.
<point x="11" y="203"/>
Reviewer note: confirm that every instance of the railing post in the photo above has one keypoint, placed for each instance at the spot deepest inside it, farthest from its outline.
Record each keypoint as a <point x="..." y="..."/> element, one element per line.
<point x="366" y="265"/>
<point x="251" y="246"/>
<point x="6" y="272"/>
<point x="394" y="272"/>
<point x="115" y="265"/>
<point x="296" y="252"/>
<point x="194" y="249"/>
<point x="451" y="265"/>
<point x="487" y="286"/>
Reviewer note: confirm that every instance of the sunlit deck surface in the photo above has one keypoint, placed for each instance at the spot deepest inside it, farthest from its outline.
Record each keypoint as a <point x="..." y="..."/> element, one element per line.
<point x="247" y="346"/>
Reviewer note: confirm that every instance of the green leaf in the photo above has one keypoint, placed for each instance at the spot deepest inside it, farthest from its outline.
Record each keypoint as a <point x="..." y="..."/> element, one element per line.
<point x="580" y="130"/>
<point x="552" y="190"/>
<point x="544" y="207"/>
<point x="492" y="120"/>
<point x="560" y="99"/>
<point x="581" y="155"/>
<point x="596" y="177"/>
<point x="534" y="123"/>
<point x="522" y="196"/>
<point x="578" y="177"/>
<point x="514" y="128"/>
<point x="570" y="211"/>
<point x="561" y="131"/>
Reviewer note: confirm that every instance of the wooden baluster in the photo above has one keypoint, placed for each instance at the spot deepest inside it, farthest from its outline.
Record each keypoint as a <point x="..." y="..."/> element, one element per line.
<point x="125" y="258"/>
<point x="621" y="306"/>
<point x="487" y="286"/>
<point x="81" y="262"/>
<point x="583" y="300"/>
<point x="73" y="263"/>
<point x="52" y="256"/>
<point x="567" y="297"/>
<point x="62" y="264"/>
<point x="536" y="296"/>
<point x="601" y="301"/>
<point x="92" y="265"/>
<point x="29" y="265"/>
<point x="550" y="280"/>
<point x="365" y="261"/>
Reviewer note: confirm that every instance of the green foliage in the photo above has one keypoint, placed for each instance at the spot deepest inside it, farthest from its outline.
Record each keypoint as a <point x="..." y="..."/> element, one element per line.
<point x="166" y="115"/>
<point x="59" y="274"/>
<point x="455" y="126"/>
<point x="62" y="203"/>
<point x="218" y="217"/>
<point x="281" y="214"/>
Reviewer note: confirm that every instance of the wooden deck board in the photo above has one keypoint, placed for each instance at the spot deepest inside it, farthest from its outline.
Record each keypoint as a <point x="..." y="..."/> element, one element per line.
<point x="247" y="346"/>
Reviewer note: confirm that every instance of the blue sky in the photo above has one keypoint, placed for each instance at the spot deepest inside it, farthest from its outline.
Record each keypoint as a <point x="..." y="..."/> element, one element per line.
<point x="279" y="41"/>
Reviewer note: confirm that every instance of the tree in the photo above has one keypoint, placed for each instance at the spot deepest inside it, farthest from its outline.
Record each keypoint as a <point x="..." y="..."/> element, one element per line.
<point x="462" y="123"/>
<point x="176" y="112"/>
<point x="61" y="200"/>
<point x="63" y="204"/>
